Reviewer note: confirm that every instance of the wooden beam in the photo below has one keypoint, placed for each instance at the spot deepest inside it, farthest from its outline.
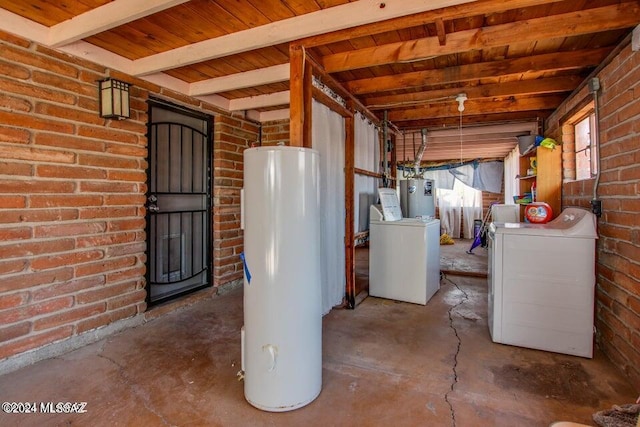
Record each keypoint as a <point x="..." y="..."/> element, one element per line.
<point x="261" y="76"/>
<point x="331" y="103"/>
<point x="367" y="173"/>
<point x="349" y="203"/>
<point x="520" y="87"/>
<point x="442" y="34"/>
<point x="307" y="105"/>
<point x="472" y="119"/>
<point x="297" y="92"/>
<point x="104" y="18"/>
<point x="476" y="107"/>
<point x="533" y="30"/>
<point x="339" y="89"/>
<point x="334" y="18"/>
<point x="481" y="7"/>
<point x="259" y="101"/>
<point x="535" y="63"/>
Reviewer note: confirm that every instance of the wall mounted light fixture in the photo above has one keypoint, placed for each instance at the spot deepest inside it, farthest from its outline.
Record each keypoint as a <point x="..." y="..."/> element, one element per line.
<point x="114" y="99"/>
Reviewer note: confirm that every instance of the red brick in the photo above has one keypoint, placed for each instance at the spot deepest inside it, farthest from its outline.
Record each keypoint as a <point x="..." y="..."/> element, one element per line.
<point x="12" y="202"/>
<point x="67" y="113"/>
<point x="126" y="300"/>
<point x="127" y="224"/>
<point x="130" y="249"/>
<point x="72" y="85"/>
<point x="131" y="273"/>
<point x="69" y="172"/>
<point x="25" y="57"/>
<point x="107" y="134"/>
<point x="13" y="300"/>
<point x="33" y="186"/>
<point x="49" y="262"/>
<point x="72" y="142"/>
<point x="129" y="199"/>
<point x="16" y="169"/>
<point x="15" y="136"/>
<point x="30" y="342"/>
<point x="105" y="239"/>
<point x="35" y="154"/>
<point x="68" y="287"/>
<point x="105" y="319"/>
<point x="126" y="150"/>
<point x="38" y="215"/>
<point x="14" y="70"/>
<point x="107" y="187"/>
<point x="63" y="201"/>
<point x="38" y="92"/>
<point x="68" y="316"/>
<point x="105" y="292"/>
<point x="105" y="266"/>
<point x="29" y="121"/>
<point x="12" y="266"/>
<point x="25" y="312"/>
<point x="137" y="176"/>
<point x="15" y="233"/>
<point x="25" y="249"/>
<point x="69" y="229"/>
<point x="14" y="331"/>
<point x="108" y="212"/>
<point x="15" y="104"/>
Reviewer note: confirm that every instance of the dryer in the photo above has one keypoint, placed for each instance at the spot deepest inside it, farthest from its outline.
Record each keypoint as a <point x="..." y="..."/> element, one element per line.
<point x="542" y="283"/>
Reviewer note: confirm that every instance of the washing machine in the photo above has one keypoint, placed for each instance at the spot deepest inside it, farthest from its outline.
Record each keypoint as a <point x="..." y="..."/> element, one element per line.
<point x="542" y="283"/>
<point x="404" y="254"/>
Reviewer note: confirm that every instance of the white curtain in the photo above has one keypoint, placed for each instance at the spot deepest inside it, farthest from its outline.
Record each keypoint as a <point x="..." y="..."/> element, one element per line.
<point x="328" y="134"/>
<point x="454" y="205"/>
<point x="367" y="157"/>
<point x="511" y="169"/>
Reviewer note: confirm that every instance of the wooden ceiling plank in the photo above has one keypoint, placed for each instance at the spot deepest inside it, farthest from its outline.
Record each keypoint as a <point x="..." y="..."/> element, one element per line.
<point x="286" y="30"/>
<point x="103" y="18"/>
<point x="520" y="87"/>
<point x="564" y="25"/>
<point x="549" y="61"/>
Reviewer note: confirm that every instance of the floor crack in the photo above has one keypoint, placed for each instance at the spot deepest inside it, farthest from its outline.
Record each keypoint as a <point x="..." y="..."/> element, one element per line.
<point x="132" y="386"/>
<point x="455" y="356"/>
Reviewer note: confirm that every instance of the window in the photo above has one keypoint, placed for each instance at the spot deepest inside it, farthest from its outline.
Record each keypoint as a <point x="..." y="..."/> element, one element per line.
<point x="586" y="140"/>
<point x="582" y="127"/>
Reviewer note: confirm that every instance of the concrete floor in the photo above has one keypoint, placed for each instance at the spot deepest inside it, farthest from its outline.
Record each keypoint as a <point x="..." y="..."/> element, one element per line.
<point x="385" y="363"/>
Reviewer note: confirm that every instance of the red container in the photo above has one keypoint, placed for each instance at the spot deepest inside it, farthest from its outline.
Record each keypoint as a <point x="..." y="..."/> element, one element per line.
<point x="538" y="213"/>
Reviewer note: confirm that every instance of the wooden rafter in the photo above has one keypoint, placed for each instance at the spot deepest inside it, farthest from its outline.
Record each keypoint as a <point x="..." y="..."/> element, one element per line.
<point x="538" y="63"/>
<point x="563" y="25"/>
<point x="475" y="107"/>
<point x="520" y="87"/>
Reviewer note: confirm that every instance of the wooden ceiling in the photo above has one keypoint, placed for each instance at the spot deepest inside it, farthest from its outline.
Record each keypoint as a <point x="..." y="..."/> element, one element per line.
<point x="516" y="60"/>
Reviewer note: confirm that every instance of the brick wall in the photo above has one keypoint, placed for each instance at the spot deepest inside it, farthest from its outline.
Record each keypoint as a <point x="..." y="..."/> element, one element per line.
<point x="618" y="248"/>
<point x="275" y="132"/>
<point x="72" y="194"/>
<point x="232" y="135"/>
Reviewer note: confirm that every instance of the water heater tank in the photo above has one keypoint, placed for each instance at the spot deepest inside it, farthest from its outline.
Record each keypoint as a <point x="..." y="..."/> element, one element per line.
<point x="417" y="198"/>
<point x="282" y="336"/>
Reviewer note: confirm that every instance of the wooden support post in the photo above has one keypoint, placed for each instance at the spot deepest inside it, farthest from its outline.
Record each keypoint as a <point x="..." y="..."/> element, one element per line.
<point x="300" y="88"/>
<point x="349" y="190"/>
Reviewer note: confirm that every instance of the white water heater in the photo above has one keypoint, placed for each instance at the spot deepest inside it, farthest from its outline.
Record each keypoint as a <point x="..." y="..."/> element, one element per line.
<point x="282" y="333"/>
<point x="417" y="198"/>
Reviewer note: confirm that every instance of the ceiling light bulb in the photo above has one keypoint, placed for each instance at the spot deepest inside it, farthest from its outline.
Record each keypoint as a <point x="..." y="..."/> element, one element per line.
<point x="461" y="98"/>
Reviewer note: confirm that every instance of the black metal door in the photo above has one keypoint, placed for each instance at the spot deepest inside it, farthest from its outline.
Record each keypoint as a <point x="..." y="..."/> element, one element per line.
<point x="178" y="202"/>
